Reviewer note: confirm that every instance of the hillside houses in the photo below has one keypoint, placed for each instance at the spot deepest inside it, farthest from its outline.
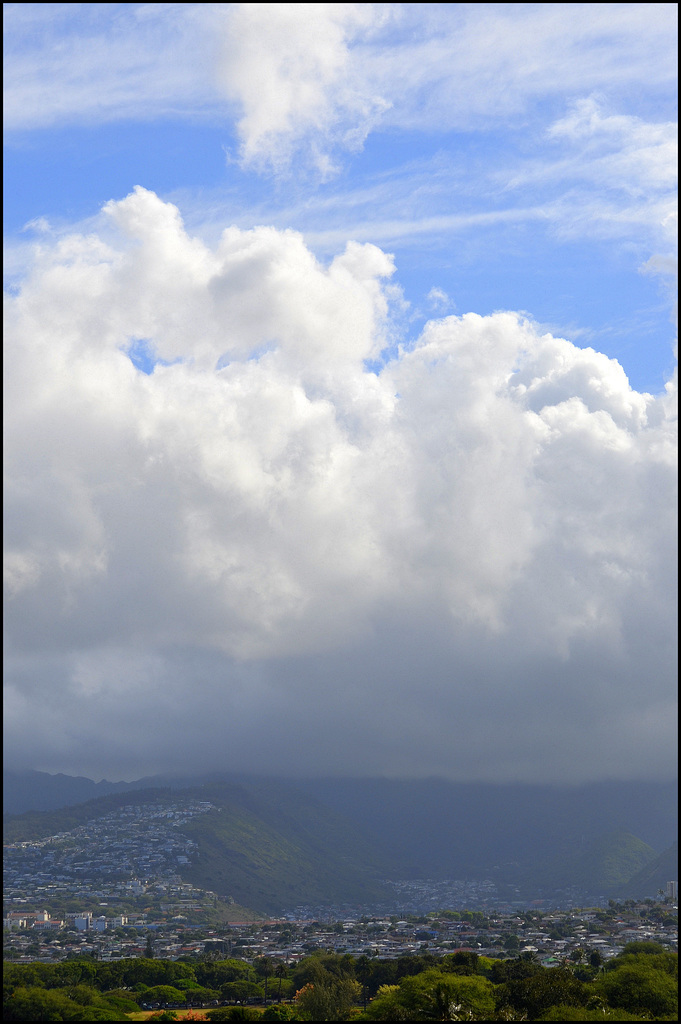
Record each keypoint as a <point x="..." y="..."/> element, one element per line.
<point x="105" y="887"/>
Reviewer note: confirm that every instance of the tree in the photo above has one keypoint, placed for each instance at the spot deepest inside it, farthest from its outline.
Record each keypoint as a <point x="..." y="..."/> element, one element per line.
<point x="278" y="1013"/>
<point x="434" y="995"/>
<point x="280" y="971"/>
<point x="197" y="993"/>
<point x="239" y="991"/>
<point x="388" y="1005"/>
<point x="264" y="968"/>
<point x="642" y="947"/>
<point x="546" y="988"/>
<point x="463" y="962"/>
<point x="213" y="975"/>
<point x="39" y="1004"/>
<point x="638" y="987"/>
<point x="363" y="970"/>
<point x="164" y="994"/>
<point x="328" y="999"/>
<point x="233" y="1013"/>
<point x="564" y="1013"/>
<point x="320" y="966"/>
<point x="504" y="971"/>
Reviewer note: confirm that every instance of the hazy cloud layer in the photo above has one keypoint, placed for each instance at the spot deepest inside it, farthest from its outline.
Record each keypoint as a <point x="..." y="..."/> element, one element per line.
<point x="264" y="555"/>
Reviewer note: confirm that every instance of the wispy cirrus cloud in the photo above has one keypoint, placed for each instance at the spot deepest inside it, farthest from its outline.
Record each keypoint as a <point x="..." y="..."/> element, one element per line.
<point x="591" y="174"/>
<point x="618" y="172"/>
<point x="318" y="77"/>
<point x="429" y="67"/>
<point x="93" y="63"/>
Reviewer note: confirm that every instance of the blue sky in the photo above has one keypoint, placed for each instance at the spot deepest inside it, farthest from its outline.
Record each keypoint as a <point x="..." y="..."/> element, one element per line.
<point x="348" y="182"/>
<point x="591" y="289"/>
<point x="499" y="211"/>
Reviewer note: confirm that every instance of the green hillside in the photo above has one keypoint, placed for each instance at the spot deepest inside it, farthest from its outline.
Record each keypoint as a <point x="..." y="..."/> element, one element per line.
<point x="271" y="847"/>
<point x="435" y="828"/>
<point x="266" y="845"/>
<point x="271" y="844"/>
<point x="32" y="825"/>
<point x="647" y="882"/>
<point x="612" y="859"/>
<point x="606" y="863"/>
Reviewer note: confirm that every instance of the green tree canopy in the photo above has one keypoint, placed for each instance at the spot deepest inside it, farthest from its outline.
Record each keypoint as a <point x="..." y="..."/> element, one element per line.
<point x="463" y="962"/>
<point x="639" y="988"/>
<point x="547" y="987"/>
<point x="239" y="991"/>
<point x="388" y="1005"/>
<point x="434" y="995"/>
<point x="39" y="1004"/>
<point x="328" y="998"/>
<point x="163" y="994"/>
<point x="564" y="1012"/>
<point x="216" y="973"/>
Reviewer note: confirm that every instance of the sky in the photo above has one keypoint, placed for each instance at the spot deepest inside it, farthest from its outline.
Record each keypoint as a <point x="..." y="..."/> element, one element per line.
<point x="340" y="390"/>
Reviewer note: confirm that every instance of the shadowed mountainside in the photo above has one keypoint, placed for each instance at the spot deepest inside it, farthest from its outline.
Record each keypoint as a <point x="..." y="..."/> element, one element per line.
<point x="439" y="828"/>
<point x="604" y="866"/>
<point x="654" y="876"/>
<point x="271" y="844"/>
<point x="39" y="791"/>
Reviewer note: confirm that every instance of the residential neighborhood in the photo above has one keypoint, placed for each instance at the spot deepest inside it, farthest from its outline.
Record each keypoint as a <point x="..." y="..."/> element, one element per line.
<point x="111" y="888"/>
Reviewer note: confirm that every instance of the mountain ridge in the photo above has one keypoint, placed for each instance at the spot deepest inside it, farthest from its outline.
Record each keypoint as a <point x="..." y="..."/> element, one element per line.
<point x="41" y="791"/>
<point x="273" y="843"/>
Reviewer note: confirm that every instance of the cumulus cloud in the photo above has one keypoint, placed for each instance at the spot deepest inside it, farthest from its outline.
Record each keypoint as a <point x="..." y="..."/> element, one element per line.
<point x="460" y="564"/>
<point x="288" y="67"/>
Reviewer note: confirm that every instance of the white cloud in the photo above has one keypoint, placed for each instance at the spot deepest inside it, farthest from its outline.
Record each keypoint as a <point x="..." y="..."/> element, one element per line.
<point x="476" y="540"/>
<point x="93" y="63"/>
<point x="314" y="79"/>
<point x="590" y="175"/>
<point x="439" y="299"/>
<point x="288" y="67"/>
<point x="310" y="75"/>
<point x="615" y="153"/>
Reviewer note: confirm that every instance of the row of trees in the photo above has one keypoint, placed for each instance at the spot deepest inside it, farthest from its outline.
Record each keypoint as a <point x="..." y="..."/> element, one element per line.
<point x="639" y="984"/>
